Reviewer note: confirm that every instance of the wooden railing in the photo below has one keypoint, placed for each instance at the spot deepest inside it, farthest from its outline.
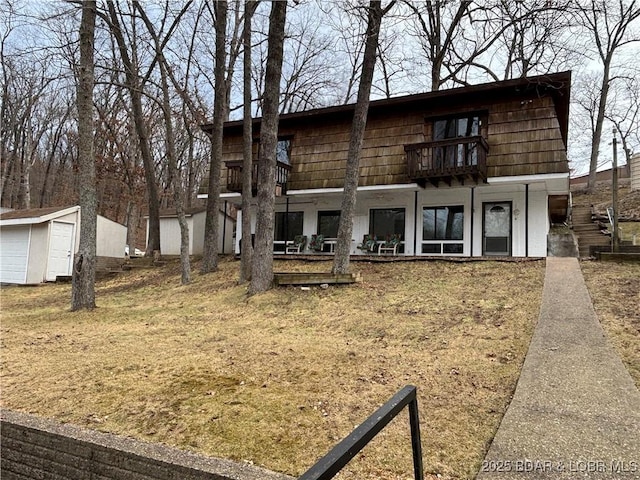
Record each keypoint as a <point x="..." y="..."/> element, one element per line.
<point x="459" y="158"/>
<point x="234" y="176"/>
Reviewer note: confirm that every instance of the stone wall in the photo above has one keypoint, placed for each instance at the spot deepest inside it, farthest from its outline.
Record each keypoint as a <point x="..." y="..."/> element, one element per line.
<point x="37" y="448"/>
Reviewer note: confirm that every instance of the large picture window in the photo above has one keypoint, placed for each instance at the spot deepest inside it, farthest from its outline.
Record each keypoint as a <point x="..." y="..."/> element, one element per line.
<point x="386" y="222"/>
<point x="328" y="222"/>
<point x="442" y="230"/>
<point x="288" y="225"/>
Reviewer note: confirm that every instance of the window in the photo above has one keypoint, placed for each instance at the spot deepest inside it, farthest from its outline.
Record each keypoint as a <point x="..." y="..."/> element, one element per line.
<point x="442" y="228"/>
<point x="328" y="222"/>
<point x="288" y="225"/>
<point x="283" y="150"/>
<point x="456" y="154"/>
<point x="385" y="222"/>
<point x="467" y="126"/>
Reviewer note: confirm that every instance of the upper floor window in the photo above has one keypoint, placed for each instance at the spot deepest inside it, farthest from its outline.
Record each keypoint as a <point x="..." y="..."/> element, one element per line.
<point x="454" y="127"/>
<point x="283" y="150"/>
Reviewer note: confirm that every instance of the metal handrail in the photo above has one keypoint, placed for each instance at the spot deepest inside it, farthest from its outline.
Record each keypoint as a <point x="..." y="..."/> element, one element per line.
<point x="329" y="465"/>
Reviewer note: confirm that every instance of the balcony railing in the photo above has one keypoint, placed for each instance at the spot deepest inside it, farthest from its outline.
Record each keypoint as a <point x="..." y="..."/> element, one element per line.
<point x="444" y="160"/>
<point x="234" y="176"/>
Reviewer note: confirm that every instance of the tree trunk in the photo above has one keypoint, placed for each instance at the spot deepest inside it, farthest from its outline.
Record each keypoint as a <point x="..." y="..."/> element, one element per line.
<point x="175" y="175"/>
<point x="597" y="133"/>
<point x="135" y="91"/>
<point x="347" y="210"/>
<point x="84" y="265"/>
<point x="211" y="229"/>
<point x="246" y="249"/>
<point x="262" y="268"/>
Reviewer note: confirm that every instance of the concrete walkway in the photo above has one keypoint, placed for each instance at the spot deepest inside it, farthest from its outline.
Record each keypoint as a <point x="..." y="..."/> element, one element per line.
<point x="575" y="413"/>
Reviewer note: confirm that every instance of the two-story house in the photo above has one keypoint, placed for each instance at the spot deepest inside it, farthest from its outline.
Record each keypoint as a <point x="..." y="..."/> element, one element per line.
<point x="473" y="171"/>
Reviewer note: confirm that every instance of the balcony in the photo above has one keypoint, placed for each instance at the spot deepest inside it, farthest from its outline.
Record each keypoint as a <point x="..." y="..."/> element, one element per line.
<point x="234" y="177"/>
<point x="462" y="158"/>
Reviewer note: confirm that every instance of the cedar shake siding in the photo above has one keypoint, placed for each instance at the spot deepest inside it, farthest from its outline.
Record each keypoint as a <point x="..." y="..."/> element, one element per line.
<point x="523" y="127"/>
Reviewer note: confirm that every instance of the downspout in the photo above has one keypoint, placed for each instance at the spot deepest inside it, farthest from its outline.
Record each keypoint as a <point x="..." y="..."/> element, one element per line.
<point x="286" y="225"/>
<point x="415" y="223"/>
<point x="473" y="191"/>
<point x="224" y="227"/>
<point x="526" y="220"/>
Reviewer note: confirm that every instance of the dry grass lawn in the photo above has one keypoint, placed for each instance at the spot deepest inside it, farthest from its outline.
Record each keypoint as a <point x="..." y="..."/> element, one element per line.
<point x="279" y="378"/>
<point x="615" y="291"/>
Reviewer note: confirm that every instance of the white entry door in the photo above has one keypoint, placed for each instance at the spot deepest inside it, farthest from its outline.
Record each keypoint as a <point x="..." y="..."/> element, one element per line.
<point x="60" y="250"/>
<point x="496" y="239"/>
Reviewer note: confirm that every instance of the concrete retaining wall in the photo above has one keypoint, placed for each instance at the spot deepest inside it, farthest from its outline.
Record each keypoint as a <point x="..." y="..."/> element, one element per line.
<point x="36" y="448"/>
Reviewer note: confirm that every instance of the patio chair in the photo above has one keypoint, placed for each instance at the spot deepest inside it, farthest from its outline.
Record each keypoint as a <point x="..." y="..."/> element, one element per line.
<point x="390" y="245"/>
<point x="316" y="243"/>
<point x="298" y="244"/>
<point x="369" y="244"/>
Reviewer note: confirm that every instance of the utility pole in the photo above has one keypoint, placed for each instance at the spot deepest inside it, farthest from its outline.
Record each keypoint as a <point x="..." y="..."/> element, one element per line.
<point x="614" y="187"/>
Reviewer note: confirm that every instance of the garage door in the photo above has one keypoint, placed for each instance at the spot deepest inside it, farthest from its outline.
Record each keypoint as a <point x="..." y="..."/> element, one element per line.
<point x="60" y="250"/>
<point x="14" y="250"/>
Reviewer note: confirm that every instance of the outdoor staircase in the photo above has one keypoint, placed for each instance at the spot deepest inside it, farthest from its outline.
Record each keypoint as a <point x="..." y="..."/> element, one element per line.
<point x="587" y="232"/>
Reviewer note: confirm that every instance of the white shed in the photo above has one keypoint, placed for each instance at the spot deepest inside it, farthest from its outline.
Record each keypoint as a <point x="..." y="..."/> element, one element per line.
<point x="170" y="231"/>
<point x="37" y="245"/>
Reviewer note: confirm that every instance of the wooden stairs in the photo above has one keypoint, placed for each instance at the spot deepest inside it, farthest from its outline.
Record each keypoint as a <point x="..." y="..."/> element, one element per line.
<point x="587" y="231"/>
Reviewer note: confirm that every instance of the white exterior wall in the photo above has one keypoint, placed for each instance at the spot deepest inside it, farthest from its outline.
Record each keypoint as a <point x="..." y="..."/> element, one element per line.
<point x="196" y="233"/>
<point x="528" y="204"/>
<point x="111" y="238"/>
<point x="170" y="234"/>
<point x="538" y="222"/>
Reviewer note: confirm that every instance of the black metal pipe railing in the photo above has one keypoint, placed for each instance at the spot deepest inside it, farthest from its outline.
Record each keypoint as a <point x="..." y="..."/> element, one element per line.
<point x="329" y="465"/>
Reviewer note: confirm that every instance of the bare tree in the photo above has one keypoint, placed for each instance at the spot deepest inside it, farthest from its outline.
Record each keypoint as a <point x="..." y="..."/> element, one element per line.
<point x="535" y="38"/>
<point x="246" y="255"/>
<point x="175" y="173"/>
<point x="611" y="27"/>
<point x="358" y="125"/>
<point x="624" y="113"/>
<point x="84" y="266"/>
<point x="262" y="267"/>
<point x="211" y="231"/>
<point x="134" y="85"/>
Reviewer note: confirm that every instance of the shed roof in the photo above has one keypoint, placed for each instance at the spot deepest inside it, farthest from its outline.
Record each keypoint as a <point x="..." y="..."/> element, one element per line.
<point x="35" y="215"/>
